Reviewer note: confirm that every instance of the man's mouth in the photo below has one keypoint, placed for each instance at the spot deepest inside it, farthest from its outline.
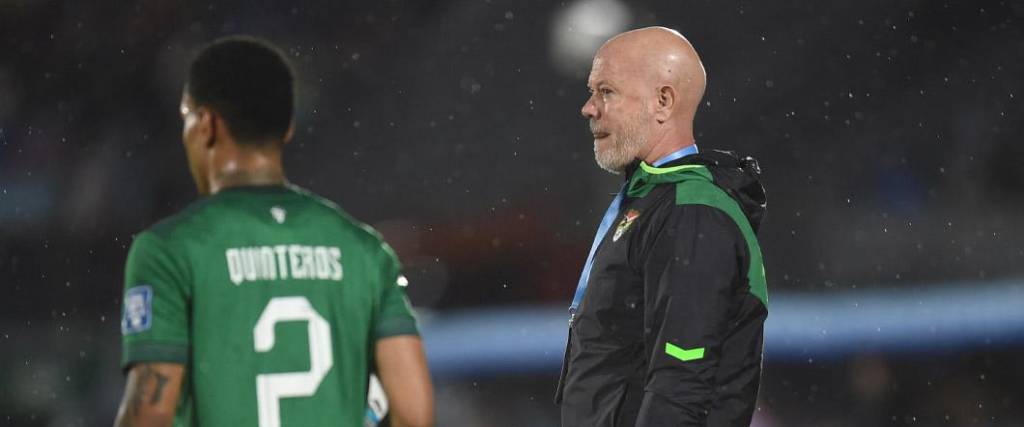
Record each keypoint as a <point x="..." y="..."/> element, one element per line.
<point x="599" y="135"/>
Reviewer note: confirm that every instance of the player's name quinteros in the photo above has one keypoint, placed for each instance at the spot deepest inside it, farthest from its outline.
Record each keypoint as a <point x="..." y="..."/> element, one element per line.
<point x="280" y="262"/>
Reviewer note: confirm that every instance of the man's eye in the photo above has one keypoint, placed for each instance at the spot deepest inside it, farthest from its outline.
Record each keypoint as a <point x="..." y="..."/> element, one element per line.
<point x="606" y="91"/>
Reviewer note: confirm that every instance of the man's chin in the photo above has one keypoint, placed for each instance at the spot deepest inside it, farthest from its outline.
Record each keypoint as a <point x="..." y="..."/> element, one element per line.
<point x="610" y="165"/>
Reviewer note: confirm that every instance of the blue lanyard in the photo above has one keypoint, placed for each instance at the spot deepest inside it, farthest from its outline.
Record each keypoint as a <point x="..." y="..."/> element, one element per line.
<point x="606" y="223"/>
<point x="676" y="155"/>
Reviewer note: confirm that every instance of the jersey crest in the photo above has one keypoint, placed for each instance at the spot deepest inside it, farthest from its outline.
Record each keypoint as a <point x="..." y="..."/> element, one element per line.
<point x="623" y="227"/>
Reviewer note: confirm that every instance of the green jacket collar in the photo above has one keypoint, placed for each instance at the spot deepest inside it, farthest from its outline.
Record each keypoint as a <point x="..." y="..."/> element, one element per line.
<point x="646" y="177"/>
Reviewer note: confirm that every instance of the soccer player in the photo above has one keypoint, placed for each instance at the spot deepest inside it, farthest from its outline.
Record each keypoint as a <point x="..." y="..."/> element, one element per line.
<point x="261" y="304"/>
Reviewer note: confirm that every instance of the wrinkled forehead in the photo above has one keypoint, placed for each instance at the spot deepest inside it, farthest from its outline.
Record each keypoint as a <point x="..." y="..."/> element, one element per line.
<point x="615" y="65"/>
<point x="599" y="70"/>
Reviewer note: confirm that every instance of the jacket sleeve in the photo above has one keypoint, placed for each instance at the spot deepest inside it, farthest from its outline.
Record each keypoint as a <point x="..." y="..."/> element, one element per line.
<point x="692" y="279"/>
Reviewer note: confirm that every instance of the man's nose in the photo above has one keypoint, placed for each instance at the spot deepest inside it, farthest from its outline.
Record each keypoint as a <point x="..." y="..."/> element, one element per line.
<point x="589" y="110"/>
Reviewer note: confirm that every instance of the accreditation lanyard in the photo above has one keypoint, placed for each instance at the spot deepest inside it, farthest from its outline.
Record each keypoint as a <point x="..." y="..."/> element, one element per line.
<point x="606" y="223"/>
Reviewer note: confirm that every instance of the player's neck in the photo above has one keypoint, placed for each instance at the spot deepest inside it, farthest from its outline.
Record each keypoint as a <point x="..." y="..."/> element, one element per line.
<point x="249" y="169"/>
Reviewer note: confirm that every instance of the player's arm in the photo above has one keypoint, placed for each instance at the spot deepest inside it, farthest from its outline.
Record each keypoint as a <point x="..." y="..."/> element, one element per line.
<point x="150" y="395"/>
<point x="398" y="352"/>
<point x="402" y="369"/>
<point x="689" y="281"/>
<point x="155" y="334"/>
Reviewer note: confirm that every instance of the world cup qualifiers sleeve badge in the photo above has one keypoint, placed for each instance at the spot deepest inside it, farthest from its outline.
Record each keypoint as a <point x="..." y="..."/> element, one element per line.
<point x="627" y="221"/>
<point x="138" y="310"/>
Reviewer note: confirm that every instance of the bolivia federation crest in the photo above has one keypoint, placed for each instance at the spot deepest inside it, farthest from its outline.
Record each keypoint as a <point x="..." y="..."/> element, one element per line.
<point x="623" y="227"/>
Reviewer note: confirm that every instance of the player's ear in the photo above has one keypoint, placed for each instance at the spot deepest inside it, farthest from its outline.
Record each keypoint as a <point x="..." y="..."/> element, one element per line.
<point x="206" y="126"/>
<point x="289" y="134"/>
<point x="666" y="103"/>
<point x="217" y="126"/>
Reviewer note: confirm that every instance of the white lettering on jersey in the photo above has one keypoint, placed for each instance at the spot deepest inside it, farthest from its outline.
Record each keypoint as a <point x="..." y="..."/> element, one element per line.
<point x="335" y="260"/>
<point x="235" y="266"/>
<point x="281" y="262"/>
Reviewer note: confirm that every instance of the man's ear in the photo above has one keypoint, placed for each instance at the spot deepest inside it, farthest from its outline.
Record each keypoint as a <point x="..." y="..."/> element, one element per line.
<point x="667" y="99"/>
<point x="207" y="126"/>
<point x="288" y="135"/>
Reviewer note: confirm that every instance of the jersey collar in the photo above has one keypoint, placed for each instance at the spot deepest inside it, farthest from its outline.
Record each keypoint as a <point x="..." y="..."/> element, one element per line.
<point x="644" y="176"/>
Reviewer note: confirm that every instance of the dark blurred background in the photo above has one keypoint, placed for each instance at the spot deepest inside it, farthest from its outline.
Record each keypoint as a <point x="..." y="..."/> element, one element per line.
<point x="889" y="134"/>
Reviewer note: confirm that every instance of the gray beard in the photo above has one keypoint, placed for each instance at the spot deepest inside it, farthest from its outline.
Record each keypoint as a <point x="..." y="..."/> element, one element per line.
<point x="623" y="149"/>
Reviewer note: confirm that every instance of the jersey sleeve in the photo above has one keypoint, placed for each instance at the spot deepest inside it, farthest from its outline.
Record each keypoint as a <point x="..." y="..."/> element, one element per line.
<point x="154" y="318"/>
<point x="394" y="315"/>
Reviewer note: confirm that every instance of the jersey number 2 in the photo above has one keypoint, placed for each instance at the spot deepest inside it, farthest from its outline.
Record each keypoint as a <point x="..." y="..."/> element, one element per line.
<point x="271" y="388"/>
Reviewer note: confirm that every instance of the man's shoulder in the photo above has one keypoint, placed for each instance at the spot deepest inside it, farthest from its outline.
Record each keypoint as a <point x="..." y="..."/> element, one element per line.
<point x="363" y="234"/>
<point x="206" y="216"/>
<point x="331" y="211"/>
<point x="168" y="227"/>
<point x="701" y="192"/>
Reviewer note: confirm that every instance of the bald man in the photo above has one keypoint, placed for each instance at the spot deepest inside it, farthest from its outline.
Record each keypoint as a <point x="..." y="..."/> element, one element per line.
<point x="666" y="324"/>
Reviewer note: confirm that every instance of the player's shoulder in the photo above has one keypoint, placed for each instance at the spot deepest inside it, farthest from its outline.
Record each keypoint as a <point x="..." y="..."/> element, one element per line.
<point x="170" y="226"/>
<point x="359" y="230"/>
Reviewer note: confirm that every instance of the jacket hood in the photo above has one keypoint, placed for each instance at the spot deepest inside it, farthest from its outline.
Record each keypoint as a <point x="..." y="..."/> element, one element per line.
<point x="738" y="176"/>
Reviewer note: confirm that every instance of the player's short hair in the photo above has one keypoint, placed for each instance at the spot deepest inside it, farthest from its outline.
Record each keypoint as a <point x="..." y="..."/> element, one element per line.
<point x="249" y="83"/>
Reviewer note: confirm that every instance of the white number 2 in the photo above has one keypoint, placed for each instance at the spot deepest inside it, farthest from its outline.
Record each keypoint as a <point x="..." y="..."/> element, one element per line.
<point x="270" y="388"/>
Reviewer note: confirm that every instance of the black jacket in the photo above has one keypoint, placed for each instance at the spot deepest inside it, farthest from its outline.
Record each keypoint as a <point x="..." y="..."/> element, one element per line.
<point x="669" y="331"/>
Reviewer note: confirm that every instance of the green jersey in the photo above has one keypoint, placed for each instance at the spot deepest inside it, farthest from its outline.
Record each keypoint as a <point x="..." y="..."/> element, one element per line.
<point x="272" y="298"/>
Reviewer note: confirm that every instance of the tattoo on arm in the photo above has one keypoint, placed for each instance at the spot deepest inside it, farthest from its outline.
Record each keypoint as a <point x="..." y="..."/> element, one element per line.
<point x="161" y="381"/>
<point x="148" y="375"/>
<point x="147" y="388"/>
